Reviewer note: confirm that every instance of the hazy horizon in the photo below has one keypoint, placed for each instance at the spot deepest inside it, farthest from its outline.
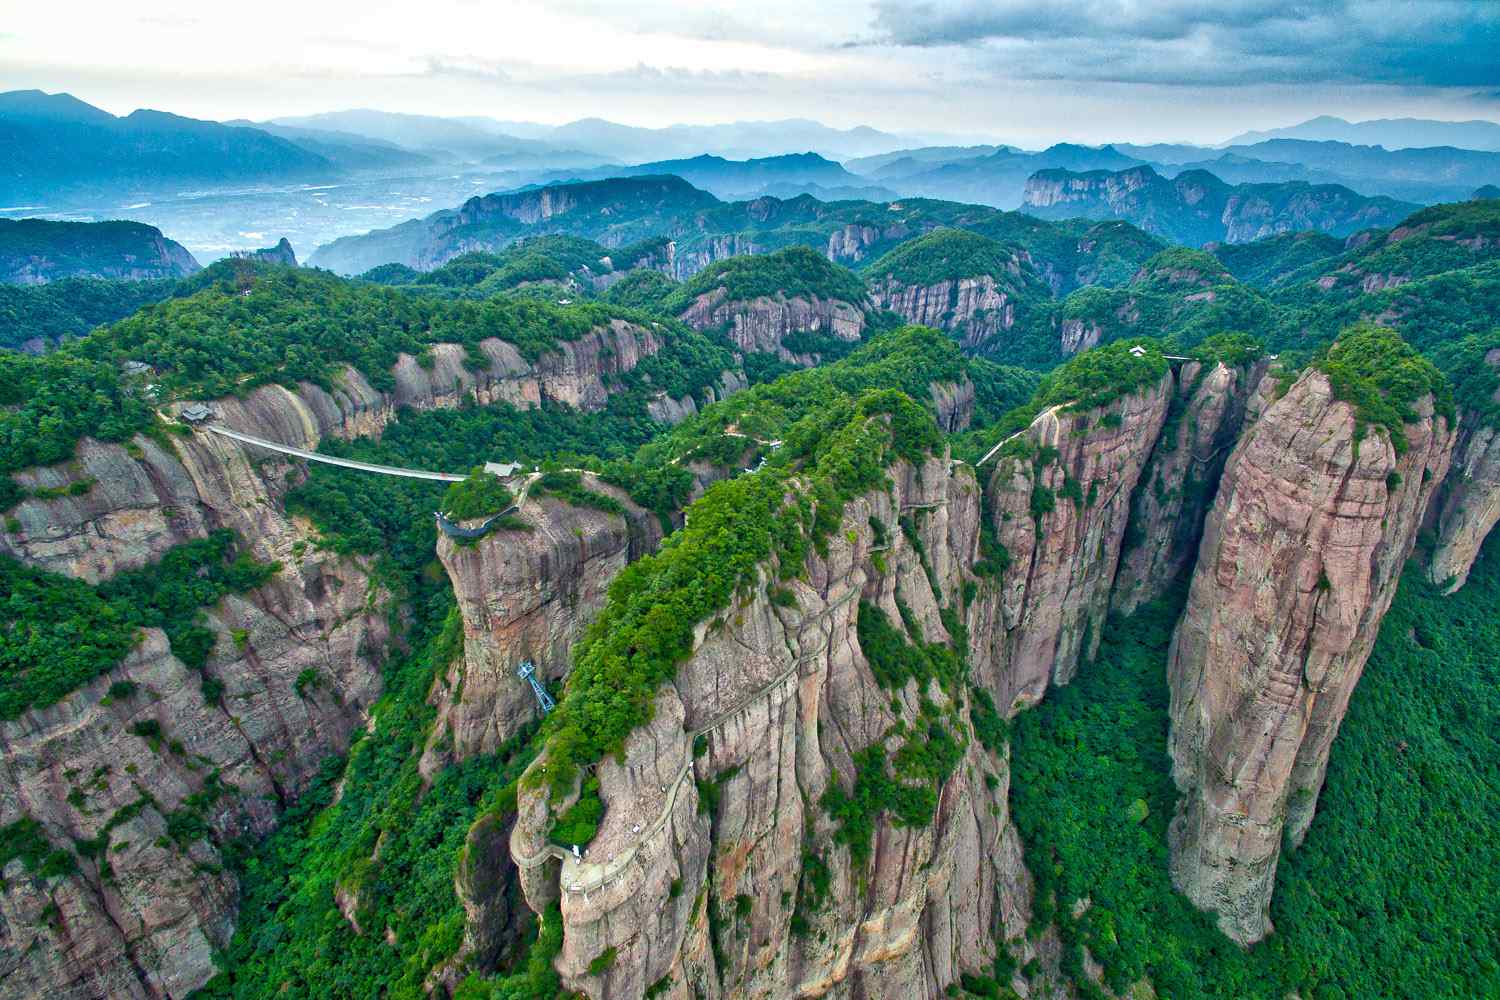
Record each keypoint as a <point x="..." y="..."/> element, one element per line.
<point x="998" y="72"/>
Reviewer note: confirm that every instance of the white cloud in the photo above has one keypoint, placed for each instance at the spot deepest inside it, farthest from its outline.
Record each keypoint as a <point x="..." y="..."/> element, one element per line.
<point x="1018" y="71"/>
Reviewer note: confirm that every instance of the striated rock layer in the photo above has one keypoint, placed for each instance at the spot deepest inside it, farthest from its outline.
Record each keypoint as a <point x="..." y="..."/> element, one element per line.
<point x="1205" y="418"/>
<point x="762" y="324"/>
<point x="976" y="308"/>
<point x="526" y="595"/>
<point x="700" y="898"/>
<point x="1470" y="504"/>
<point x="298" y="660"/>
<point x="1059" y="504"/>
<point x="1298" y="564"/>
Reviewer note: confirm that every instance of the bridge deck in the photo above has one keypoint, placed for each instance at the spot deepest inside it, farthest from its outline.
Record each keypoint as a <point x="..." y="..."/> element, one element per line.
<point x="347" y="463"/>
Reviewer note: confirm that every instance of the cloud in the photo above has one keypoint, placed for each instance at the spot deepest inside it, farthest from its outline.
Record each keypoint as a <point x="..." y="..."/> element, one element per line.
<point x="1439" y="43"/>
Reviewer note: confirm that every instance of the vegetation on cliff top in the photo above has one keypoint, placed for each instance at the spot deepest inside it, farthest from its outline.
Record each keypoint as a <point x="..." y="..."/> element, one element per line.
<point x="71" y="307"/>
<point x="793" y="272"/>
<point x="60" y="633"/>
<point x="950" y="254"/>
<point x="1382" y="377"/>
<point x="646" y="627"/>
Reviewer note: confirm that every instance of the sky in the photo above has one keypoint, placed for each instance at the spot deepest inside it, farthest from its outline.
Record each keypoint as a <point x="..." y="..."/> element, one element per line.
<point x="1023" y="71"/>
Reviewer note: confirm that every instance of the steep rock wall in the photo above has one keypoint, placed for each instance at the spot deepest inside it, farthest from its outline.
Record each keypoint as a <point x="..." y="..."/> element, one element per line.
<point x="974" y="308"/>
<point x="1469" y="507"/>
<point x="526" y="595"/>
<point x="1059" y="502"/>
<point x="148" y="924"/>
<point x="761" y="324"/>
<point x="782" y="698"/>
<point x="1205" y="418"/>
<point x="1298" y="564"/>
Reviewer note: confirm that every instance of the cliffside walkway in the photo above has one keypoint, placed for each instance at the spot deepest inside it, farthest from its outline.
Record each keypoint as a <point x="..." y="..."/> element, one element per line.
<point x="589" y="876"/>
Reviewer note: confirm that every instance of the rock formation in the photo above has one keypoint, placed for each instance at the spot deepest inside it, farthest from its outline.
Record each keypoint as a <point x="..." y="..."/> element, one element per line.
<point x="1298" y="564"/>
<point x="1206" y="414"/>
<point x="1469" y="506"/>
<point x="762" y="324"/>
<point x="146" y="923"/>
<point x="281" y="253"/>
<point x="38" y="251"/>
<point x="527" y="595"/>
<point x="975" y="309"/>
<point x="702" y="899"/>
<point x="1059" y="503"/>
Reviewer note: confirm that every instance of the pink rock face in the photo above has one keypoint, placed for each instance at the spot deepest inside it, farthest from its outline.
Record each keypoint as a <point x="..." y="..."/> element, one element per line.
<point x="1207" y="413"/>
<point x="526" y="595"/>
<point x="152" y="929"/>
<point x="1298" y="564"/>
<point x="1469" y="507"/>
<point x="974" y="308"/>
<point x="783" y="698"/>
<point x="1045" y="612"/>
<point x="761" y="324"/>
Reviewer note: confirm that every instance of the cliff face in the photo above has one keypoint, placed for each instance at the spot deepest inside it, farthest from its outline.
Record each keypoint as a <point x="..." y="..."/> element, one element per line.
<point x="526" y="595"/>
<point x="974" y="308"/>
<point x="1298" y="564"/>
<point x="1206" y="414"/>
<point x="1059" y="502"/>
<point x="1196" y="207"/>
<point x="39" y="251"/>
<point x="1470" y="502"/>
<point x="763" y="323"/>
<point x="857" y="241"/>
<point x="281" y="253"/>
<point x="147" y="922"/>
<point x="702" y="896"/>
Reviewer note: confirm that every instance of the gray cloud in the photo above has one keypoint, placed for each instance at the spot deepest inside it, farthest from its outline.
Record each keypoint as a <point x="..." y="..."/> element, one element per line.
<point x="1438" y="43"/>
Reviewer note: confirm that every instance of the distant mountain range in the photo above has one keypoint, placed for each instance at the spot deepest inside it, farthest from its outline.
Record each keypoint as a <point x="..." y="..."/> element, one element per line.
<point x="998" y="178"/>
<point x="783" y="176"/>
<point x="1196" y="207"/>
<point x="594" y="141"/>
<point x="1392" y="133"/>
<point x="54" y="145"/>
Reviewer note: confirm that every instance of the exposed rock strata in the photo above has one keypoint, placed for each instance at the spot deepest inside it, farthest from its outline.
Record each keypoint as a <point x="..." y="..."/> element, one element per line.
<point x="975" y="308"/>
<point x="786" y="699"/>
<point x="762" y="324"/>
<point x="150" y="929"/>
<point x="1206" y="415"/>
<point x="526" y="595"/>
<point x="1469" y="506"/>
<point x="1298" y="564"/>
<point x="1045" y="613"/>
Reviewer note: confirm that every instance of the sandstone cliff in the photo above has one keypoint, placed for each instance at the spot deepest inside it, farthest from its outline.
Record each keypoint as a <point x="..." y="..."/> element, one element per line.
<point x="1059" y="502"/>
<point x="1298" y="564"/>
<point x="1203" y="422"/>
<point x="298" y="658"/>
<point x="701" y="897"/>
<point x="1469" y="506"/>
<point x="762" y="324"/>
<point x="975" y="309"/>
<point x="526" y="595"/>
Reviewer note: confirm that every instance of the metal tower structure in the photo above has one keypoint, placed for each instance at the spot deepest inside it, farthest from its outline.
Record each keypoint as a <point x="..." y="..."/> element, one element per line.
<point x="527" y="672"/>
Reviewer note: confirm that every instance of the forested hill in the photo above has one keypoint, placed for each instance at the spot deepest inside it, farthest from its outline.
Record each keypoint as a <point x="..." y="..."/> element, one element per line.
<point x="36" y="251"/>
